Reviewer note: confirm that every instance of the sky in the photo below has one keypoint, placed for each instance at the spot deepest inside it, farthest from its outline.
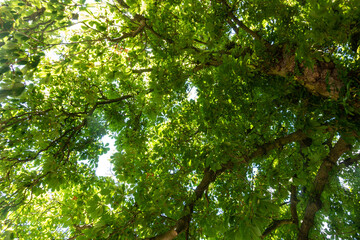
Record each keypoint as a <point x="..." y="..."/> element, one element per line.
<point x="104" y="165"/>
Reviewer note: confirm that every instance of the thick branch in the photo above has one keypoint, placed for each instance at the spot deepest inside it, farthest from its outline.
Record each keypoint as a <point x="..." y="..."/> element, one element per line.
<point x="82" y="227"/>
<point x="37" y="25"/>
<point x="349" y="161"/>
<point x="142" y="70"/>
<point x="210" y="176"/>
<point x="123" y="4"/>
<point x="158" y="35"/>
<point x="244" y="27"/>
<point x="131" y="34"/>
<point x="293" y="203"/>
<point x="183" y="223"/>
<point x="241" y="25"/>
<point x="34" y="16"/>
<point x="266" y="147"/>
<point x="233" y="26"/>
<point x="320" y="79"/>
<point x="320" y="182"/>
<point x="113" y="100"/>
<point x="274" y="225"/>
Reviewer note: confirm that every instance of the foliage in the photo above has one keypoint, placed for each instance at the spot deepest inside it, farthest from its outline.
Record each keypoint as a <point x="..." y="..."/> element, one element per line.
<point x="231" y="119"/>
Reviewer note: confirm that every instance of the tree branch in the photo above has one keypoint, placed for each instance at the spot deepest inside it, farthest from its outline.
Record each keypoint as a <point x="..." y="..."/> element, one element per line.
<point x="35" y="15"/>
<point x="114" y="100"/>
<point x="320" y="79"/>
<point x="293" y="203"/>
<point x="183" y="223"/>
<point x="123" y="4"/>
<point x="233" y="26"/>
<point x="349" y="161"/>
<point x="19" y="118"/>
<point x="277" y="143"/>
<point x="142" y="70"/>
<point x="274" y="225"/>
<point x="131" y="34"/>
<point x="157" y="34"/>
<point x="82" y="227"/>
<point x="210" y="176"/>
<point x="241" y="25"/>
<point x="321" y="179"/>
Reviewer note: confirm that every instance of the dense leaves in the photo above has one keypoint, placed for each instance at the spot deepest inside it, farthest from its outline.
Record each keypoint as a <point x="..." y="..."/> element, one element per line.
<point x="231" y="119"/>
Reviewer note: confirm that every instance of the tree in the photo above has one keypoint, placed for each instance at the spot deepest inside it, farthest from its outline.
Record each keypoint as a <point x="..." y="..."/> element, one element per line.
<point x="232" y="119"/>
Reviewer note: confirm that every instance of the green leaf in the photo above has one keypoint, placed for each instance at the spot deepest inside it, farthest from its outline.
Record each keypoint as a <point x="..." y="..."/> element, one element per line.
<point x="274" y="118"/>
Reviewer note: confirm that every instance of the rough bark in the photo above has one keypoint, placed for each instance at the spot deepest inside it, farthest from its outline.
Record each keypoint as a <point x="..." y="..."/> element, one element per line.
<point x="321" y="79"/>
<point x="321" y="179"/>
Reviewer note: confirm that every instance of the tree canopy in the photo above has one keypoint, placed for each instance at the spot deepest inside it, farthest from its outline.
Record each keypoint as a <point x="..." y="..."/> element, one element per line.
<point x="231" y="119"/>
